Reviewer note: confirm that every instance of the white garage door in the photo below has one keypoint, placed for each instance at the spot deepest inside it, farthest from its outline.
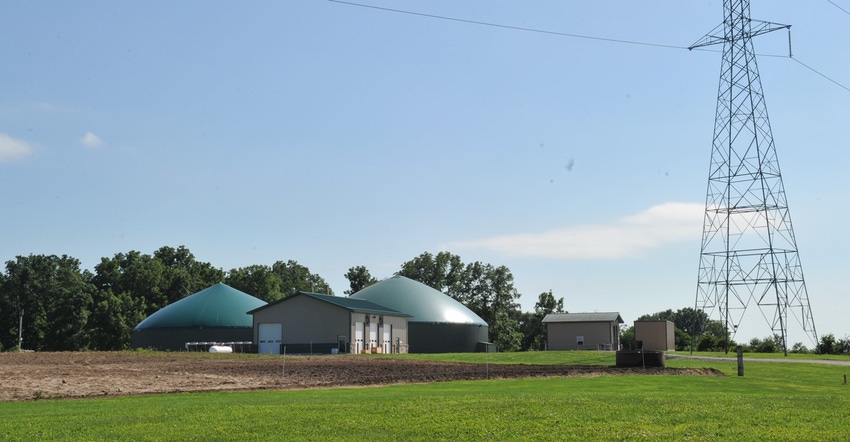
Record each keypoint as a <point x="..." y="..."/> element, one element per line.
<point x="271" y="335"/>
<point x="373" y="335"/>
<point x="358" y="337"/>
<point x="387" y="343"/>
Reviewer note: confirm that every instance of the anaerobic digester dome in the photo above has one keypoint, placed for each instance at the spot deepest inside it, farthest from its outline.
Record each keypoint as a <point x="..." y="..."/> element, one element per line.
<point x="215" y="314"/>
<point x="438" y="323"/>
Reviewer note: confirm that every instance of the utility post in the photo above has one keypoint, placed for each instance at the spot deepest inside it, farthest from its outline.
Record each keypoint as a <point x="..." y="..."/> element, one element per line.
<point x="21" y="331"/>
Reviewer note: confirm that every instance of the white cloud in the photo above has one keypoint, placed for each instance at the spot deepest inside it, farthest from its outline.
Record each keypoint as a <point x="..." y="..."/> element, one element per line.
<point x="12" y="149"/>
<point x="91" y="140"/>
<point x="627" y="237"/>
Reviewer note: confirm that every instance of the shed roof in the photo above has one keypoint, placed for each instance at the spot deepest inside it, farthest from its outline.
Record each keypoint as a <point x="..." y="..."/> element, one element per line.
<point x="216" y="306"/>
<point x="584" y="317"/>
<point x="423" y="303"/>
<point x="352" y="304"/>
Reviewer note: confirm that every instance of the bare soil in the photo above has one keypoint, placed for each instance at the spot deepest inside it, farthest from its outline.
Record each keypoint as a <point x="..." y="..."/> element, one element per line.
<point x="29" y="376"/>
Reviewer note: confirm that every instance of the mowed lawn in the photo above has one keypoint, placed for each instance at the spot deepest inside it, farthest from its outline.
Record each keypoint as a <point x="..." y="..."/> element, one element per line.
<point x="773" y="401"/>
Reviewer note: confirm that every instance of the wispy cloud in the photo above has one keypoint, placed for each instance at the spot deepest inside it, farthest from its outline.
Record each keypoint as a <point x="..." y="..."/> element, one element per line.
<point x="12" y="149"/>
<point x="627" y="237"/>
<point x="91" y="140"/>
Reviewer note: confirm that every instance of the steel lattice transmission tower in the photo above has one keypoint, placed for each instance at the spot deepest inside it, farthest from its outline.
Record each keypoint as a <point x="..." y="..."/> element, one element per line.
<point x="749" y="253"/>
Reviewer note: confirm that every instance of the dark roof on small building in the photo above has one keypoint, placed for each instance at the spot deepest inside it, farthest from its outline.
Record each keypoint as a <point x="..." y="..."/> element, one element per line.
<point x="584" y="317"/>
<point x="352" y="304"/>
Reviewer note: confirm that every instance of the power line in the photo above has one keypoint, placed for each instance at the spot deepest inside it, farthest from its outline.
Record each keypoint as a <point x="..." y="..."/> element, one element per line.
<point x="516" y="28"/>
<point x="821" y="74"/>
<point x="570" y="35"/>
<point x="839" y="7"/>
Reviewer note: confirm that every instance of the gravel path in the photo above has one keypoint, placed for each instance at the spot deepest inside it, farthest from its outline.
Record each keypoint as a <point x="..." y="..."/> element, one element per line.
<point x="735" y="359"/>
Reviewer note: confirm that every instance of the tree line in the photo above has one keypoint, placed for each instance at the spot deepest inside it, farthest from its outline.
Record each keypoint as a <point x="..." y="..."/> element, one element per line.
<point x="696" y="331"/>
<point x="66" y="308"/>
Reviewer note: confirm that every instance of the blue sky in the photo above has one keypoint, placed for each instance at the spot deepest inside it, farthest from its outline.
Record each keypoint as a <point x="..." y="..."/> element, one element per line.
<point x="338" y="135"/>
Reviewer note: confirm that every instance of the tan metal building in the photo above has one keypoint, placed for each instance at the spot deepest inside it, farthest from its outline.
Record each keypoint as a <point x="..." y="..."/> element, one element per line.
<point x="656" y="335"/>
<point x="313" y="323"/>
<point x="583" y="331"/>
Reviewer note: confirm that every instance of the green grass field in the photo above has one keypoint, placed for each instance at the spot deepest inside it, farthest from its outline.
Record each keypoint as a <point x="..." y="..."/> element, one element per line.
<point x="774" y="401"/>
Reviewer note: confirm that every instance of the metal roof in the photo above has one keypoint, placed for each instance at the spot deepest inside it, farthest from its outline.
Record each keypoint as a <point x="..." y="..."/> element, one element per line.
<point x="216" y="306"/>
<point x="584" y="317"/>
<point x="423" y="303"/>
<point x="355" y="305"/>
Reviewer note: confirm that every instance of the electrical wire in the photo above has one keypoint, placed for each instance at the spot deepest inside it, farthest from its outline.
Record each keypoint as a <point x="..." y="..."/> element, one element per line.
<point x="516" y="28"/>
<point x="822" y="75"/>
<point x="839" y="7"/>
<point x="587" y="37"/>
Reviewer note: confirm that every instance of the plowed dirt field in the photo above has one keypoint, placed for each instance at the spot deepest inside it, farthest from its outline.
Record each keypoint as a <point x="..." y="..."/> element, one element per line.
<point x="29" y="376"/>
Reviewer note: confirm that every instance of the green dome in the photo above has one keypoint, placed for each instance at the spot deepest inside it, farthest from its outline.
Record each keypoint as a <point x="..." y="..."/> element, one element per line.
<point x="219" y="306"/>
<point x="423" y="303"/>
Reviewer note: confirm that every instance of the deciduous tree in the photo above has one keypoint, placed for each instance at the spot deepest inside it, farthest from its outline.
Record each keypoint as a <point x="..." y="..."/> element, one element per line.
<point x="259" y="281"/>
<point x="483" y="288"/>
<point x="297" y="277"/>
<point x="358" y="279"/>
<point x="184" y="275"/>
<point x="442" y="271"/>
<point x="55" y="296"/>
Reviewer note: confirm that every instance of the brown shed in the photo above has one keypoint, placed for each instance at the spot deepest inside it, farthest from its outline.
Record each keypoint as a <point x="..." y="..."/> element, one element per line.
<point x="583" y="331"/>
<point x="656" y="335"/>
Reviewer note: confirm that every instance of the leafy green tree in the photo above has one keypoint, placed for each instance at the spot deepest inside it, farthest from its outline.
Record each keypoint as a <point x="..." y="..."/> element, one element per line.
<point x="424" y="269"/>
<point x="686" y="319"/>
<point x="842" y="346"/>
<point x="486" y="290"/>
<point x="527" y="323"/>
<point x="504" y="331"/>
<point x="532" y="326"/>
<point x="770" y="344"/>
<point x="627" y="338"/>
<point x="442" y="271"/>
<point x="683" y="340"/>
<point x="55" y="296"/>
<point x="547" y="304"/>
<point x="141" y="278"/>
<point x="259" y="281"/>
<point x="827" y="344"/>
<point x="297" y="277"/>
<point x="798" y="347"/>
<point x="184" y="275"/>
<point x="358" y="279"/>
<point x="131" y="286"/>
<point x="112" y="319"/>
<point x="666" y="315"/>
<point x="489" y="292"/>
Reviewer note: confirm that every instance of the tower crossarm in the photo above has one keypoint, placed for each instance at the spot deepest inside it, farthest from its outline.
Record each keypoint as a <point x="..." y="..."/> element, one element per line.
<point x="755" y="28"/>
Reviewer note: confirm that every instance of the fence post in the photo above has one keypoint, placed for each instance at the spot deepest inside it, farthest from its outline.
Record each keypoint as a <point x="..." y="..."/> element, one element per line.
<point x="740" y="350"/>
